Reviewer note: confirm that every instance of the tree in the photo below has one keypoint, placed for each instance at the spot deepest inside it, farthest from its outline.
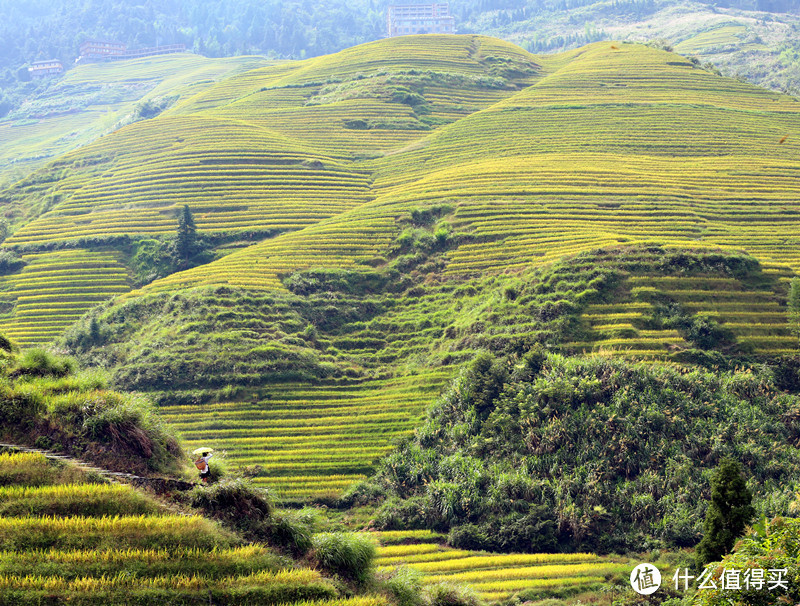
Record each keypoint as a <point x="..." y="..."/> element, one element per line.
<point x="728" y="514"/>
<point x="794" y="306"/>
<point x="186" y="240"/>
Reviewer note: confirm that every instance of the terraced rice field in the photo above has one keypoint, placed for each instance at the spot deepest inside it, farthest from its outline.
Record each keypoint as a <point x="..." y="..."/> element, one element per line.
<point x="755" y="314"/>
<point x="256" y="180"/>
<point x="54" y="289"/>
<point x="271" y="149"/>
<point x="85" y="558"/>
<point x="89" y="100"/>
<point x="310" y="441"/>
<point x="494" y="576"/>
<point x="712" y="40"/>
<point x="601" y="149"/>
<point x="538" y="157"/>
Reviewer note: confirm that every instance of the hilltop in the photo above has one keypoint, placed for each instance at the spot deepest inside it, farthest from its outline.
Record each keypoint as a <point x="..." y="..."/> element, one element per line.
<point x="380" y="215"/>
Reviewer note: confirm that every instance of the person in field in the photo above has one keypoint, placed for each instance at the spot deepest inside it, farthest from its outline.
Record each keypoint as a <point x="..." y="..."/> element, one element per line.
<point x="202" y="464"/>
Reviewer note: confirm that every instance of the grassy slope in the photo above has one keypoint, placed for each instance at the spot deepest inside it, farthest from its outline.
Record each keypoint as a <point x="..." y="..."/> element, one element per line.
<point x="313" y="387"/>
<point x="89" y="100"/>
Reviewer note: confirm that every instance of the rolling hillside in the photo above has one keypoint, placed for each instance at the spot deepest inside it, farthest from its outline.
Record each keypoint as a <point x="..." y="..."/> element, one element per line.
<point x="417" y="199"/>
<point x="596" y="152"/>
<point x="91" y="100"/>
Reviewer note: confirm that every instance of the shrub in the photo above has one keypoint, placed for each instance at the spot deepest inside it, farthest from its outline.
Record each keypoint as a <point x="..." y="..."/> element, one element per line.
<point x="467" y="536"/>
<point x="405" y="585"/>
<point x="787" y="373"/>
<point x="41" y="363"/>
<point x="728" y="515"/>
<point x="290" y="531"/>
<point x="350" y="555"/>
<point x="452" y="594"/>
<point x="131" y="427"/>
<point x="10" y="262"/>
<point x="235" y="500"/>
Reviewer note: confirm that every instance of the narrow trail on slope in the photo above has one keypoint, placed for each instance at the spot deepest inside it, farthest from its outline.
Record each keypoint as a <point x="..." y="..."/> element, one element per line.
<point x="159" y="485"/>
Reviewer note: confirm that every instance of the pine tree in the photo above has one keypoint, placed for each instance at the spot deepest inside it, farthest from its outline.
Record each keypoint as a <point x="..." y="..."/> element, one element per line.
<point x="728" y="514"/>
<point x="186" y="240"/>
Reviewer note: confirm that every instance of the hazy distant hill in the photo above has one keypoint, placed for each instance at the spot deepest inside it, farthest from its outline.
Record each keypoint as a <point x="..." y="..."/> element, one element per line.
<point x="757" y="38"/>
<point x="92" y="100"/>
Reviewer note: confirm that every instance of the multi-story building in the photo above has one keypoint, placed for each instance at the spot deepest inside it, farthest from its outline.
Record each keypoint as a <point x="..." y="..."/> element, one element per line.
<point x="42" y="69"/>
<point x="101" y="49"/>
<point x="153" y="50"/>
<point x="404" y="19"/>
<point x="94" y="50"/>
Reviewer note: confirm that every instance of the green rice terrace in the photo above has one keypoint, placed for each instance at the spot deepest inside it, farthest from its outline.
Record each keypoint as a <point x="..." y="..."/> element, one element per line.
<point x="294" y="262"/>
<point x="375" y="217"/>
<point x="95" y="99"/>
<point x="64" y="536"/>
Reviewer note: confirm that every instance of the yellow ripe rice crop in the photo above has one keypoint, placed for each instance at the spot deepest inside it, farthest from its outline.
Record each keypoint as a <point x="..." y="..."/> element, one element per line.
<point x="399" y="550"/>
<point x="435" y="556"/>
<point x="11" y="460"/>
<point x="173" y="582"/>
<point x="532" y="572"/>
<point x="103" y="524"/>
<point x="497" y="561"/>
<point x="121" y="556"/>
<point x="63" y="491"/>
<point x="518" y="585"/>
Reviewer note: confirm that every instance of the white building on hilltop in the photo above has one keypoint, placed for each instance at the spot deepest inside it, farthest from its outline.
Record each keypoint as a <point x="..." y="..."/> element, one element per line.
<point x="405" y="19"/>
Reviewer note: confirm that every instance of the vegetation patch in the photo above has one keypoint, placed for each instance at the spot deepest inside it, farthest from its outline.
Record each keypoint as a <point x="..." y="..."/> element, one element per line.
<point x="500" y="460"/>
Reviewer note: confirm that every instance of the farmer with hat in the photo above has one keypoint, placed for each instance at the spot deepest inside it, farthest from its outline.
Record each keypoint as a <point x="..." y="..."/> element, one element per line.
<point x="203" y="455"/>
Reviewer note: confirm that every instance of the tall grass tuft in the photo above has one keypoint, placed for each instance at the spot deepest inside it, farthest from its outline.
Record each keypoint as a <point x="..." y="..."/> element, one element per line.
<point x="350" y="555"/>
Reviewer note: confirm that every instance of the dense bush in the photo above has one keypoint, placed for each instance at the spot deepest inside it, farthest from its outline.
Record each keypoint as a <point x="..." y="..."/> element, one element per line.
<point x="10" y="262"/>
<point x="728" y="514"/>
<point x="251" y="512"/>
<point x="772" y="544"/>
<point x="547" y="452"/>
<point x="233" y="500"/>
<point x="452" y="594"/>
<point x="405" y="586"/>
<point x="349" y="555"/>
<point x="42" y="363"/>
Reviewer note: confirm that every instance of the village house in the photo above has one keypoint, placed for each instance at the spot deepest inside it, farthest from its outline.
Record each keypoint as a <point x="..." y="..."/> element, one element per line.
<point x="42" y="69"/>
<point x="405" y="19"/>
